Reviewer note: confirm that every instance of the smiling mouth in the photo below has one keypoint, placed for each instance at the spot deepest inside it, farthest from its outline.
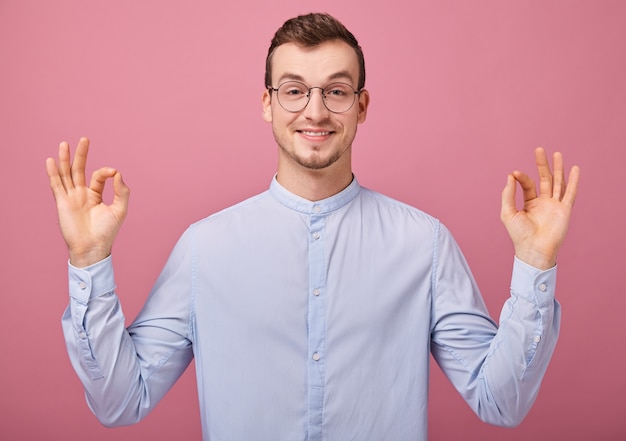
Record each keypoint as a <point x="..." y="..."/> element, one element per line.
<point x="311" y="133"/>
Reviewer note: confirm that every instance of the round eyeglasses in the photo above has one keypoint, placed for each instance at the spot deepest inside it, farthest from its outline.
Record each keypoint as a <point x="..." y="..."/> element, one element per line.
<point x="293" y="96"/>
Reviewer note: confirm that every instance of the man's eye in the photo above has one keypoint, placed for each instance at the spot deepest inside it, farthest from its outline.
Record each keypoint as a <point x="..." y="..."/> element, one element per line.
<point x="336" y="92"/>
<point x="294" y="92"/>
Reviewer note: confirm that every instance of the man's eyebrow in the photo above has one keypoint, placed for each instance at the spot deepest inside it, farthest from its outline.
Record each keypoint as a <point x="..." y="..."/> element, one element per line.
<point x="341" y="75"/>
<point x="290" y="76"/>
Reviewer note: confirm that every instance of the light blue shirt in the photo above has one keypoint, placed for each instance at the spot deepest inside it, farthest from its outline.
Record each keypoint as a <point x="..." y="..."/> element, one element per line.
<point x="313" y="321"/>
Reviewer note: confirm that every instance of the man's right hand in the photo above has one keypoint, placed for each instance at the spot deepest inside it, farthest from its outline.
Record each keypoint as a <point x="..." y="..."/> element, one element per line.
<point x="88" y="225"/>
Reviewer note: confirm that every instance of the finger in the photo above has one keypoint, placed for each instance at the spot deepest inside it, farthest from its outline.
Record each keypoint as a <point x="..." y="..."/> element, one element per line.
<point x="64" y="166"/>
<point x="572" y="187"/>
<point x="558" y="187"/>
<point x="55" y="180"/>
<point x="99" y="178"/>
<point x="121" y="195"/>
<point x="527" y="184"/>
<point x="545" y="175"/>
<point x="80" y="160"/>
<point x="508" y="208"/>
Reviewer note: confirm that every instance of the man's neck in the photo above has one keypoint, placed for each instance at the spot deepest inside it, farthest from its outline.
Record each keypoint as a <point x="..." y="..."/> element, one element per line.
<point x="314" y="185"/>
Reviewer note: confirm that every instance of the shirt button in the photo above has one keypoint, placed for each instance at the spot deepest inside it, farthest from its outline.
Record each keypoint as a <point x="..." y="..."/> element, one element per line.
<point x="543" y="287"/>
<point x="82" y="285"/>
<point x="82" y="335"/>
<point x="316" y="292"/>
<point x="316" y="356"/>
<point x="537" y="338"/>
<point x="316" y="236"/>
<point x="317" y="208"/>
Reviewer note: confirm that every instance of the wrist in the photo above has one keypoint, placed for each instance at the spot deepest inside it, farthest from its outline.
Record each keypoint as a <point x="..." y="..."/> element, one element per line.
<point x="82" y="259"/>
<point x="536" y="259"/>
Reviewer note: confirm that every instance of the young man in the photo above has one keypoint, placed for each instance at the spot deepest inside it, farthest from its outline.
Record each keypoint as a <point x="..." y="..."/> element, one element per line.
<point x="311" y="309"/>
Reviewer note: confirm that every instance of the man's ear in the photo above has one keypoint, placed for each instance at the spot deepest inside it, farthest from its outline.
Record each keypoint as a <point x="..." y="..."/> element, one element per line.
<point x="364" y="102"/>
<point x="267" y="106"/>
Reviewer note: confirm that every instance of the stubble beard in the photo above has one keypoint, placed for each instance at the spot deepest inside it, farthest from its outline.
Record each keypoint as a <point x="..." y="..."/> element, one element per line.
<point x="314" y="161"/>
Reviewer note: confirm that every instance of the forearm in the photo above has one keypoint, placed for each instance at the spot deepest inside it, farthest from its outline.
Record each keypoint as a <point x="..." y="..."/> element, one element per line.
<point x="104" y="355"/>
<point x="524" y="344"/>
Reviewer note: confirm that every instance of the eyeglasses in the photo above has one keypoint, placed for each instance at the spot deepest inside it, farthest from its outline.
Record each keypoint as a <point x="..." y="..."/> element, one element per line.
<point x="293" y="96"/>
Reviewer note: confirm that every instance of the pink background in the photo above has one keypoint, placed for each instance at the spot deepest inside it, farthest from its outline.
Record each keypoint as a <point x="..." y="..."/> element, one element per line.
<point x="169" y="92"/>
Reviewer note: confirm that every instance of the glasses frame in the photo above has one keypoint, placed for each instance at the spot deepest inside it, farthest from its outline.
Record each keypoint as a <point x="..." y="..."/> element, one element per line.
<point x="308" y="95"/>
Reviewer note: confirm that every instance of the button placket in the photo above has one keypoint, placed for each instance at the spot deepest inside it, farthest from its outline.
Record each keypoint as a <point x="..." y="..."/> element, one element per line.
<point x="316" y="319"/>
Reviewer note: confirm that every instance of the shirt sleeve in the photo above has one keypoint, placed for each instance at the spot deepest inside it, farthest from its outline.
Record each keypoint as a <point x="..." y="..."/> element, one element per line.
<point x="125" y="372"/>
<point x="497" y="369"/>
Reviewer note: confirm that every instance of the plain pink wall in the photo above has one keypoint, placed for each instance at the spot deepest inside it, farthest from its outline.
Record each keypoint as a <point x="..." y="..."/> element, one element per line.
<point x="169" y="92"/>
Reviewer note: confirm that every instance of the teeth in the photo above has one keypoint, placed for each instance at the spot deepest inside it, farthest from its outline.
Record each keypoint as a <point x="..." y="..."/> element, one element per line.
<point x="315" y="133"/>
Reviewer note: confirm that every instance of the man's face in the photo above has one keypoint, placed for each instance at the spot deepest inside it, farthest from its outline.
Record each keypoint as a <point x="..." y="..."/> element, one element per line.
<point x="314" y="138"/>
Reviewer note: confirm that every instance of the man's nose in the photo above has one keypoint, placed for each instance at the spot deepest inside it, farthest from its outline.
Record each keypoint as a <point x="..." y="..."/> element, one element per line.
<point x="316" y="105"/>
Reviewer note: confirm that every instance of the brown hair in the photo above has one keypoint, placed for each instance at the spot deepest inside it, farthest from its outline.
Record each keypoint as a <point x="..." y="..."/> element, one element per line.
<point x="311" y="30"/>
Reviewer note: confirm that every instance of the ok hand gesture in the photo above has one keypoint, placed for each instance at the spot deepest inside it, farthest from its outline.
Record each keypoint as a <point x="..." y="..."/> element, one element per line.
<point x="539" y="228"/>
<point x="88" y="225"/>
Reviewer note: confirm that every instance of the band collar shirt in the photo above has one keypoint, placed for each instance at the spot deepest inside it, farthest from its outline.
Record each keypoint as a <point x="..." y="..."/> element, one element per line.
<point x="313" y="321"/>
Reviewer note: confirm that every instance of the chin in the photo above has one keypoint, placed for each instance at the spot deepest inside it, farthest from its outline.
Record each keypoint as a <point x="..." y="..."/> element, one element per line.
<point x="316" y="163"/>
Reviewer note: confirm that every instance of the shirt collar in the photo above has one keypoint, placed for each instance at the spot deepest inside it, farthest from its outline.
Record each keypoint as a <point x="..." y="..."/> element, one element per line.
<point x="290" y="200"/>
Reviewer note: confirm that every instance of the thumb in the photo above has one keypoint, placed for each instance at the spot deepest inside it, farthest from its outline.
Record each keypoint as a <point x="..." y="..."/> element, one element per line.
<point x="508" y="209"/>
<point x="121" y="196"/>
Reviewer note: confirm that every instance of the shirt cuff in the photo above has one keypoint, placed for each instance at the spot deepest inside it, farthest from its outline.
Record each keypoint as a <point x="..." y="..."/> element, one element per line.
<point x="91" y="281"/>
<point x="533" y="284"/>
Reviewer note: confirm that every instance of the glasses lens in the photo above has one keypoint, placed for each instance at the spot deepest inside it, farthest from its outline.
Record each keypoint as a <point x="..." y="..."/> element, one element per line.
<point x="293" y="96"/>
<point x="339" y="97"/>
